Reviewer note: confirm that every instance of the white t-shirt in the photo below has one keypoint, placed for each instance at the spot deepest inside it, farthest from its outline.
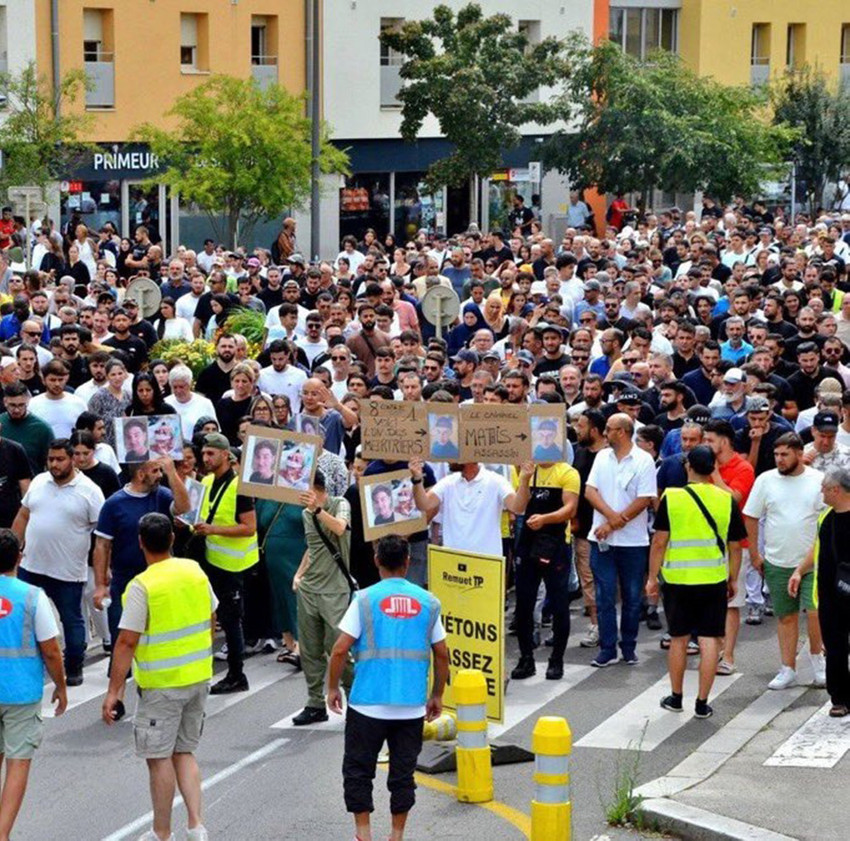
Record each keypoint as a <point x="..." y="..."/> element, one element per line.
<point x="312" y="350"/>
<point x="195" y="408"/>
<point x="620" y="484"/>
<point x="177" y="328"/>
<point x="134" y="616"/>
<point x="89" y="388"/>
<point x="790" y="506"/>
<point x="62" y="518"/>
<point x="287" y="382"/>
<point x="185" y="306"/>
<point x="106" y="455"/>
<point x="60" y="415"/>
<point x="471" y="512"/>
<point x="350" y="624"/>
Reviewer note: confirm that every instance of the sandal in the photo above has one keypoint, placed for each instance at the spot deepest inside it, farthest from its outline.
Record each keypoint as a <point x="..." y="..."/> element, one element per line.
<point x="284" y="650"/>
<point x="665" y="642"/>
<point x="725" y="668"/>
<point x="292" y="659"/>
<point x="839" y="711"/>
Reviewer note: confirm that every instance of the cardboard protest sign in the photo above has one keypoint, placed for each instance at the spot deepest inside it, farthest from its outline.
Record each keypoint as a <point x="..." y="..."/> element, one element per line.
<point x="388" y="507"/>
<point x="148" y="437"/>
<point x="278" y="464"/>
<point x="495" y="433"/>
<point x="394" y="430"/>
<point x="548" y="432"/>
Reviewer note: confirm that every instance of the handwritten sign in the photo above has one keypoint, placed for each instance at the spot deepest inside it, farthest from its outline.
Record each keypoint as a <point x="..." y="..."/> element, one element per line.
<point x="494" y="433"/>
<point x="394" y="430"/>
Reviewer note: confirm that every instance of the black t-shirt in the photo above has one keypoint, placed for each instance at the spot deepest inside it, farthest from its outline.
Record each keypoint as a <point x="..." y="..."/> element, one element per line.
<point x="144" y="330"/>
<point x="832" y="531"/>
<point x="503" y="255"/>
<point x="213" y="382"/>
<point x="203" y="312"/>
<point x="244" y="504"/>
<point x="546" y="365"/>
<point x="804" y="387"/>
<point x="135" y="350"/>
<point x="229" y="412"/>
<point x="104" y="477"/>
<point x="682" y="366"/>
<point x="271" y="297"/>
<point x="35" y="385"/>
<point x="667" y="423"/>
<point x="520" y="216"/>
<point x="764" y="460"/>
<point x="14" y="466"/>
<point x="79" y="371"/>
<point x="582" y="461"/>
<point x="737" y="530"/>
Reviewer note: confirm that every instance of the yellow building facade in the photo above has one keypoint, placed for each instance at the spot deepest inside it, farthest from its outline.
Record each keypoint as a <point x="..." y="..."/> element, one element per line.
<point x="139" y="56"/>
<point x="750" y="41"/>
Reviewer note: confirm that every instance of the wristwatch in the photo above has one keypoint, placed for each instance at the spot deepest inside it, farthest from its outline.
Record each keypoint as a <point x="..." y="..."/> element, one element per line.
<point x="416" y="481"/>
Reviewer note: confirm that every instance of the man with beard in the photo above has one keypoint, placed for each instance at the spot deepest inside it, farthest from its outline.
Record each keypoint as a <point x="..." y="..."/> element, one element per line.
<point x="699" y="381"/>
<point x="364" y="345"/>
<point x="672" y="415"/>
<point x="214" y="380"/>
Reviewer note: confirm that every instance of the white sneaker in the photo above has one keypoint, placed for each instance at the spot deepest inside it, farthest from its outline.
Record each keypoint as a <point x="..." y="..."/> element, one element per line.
<point x="819" y="670"/>
<point x="150" y="835"/>
<point x="199" y="833"/>
<point x="221" y="654"/>
<point x="591" y="638"/>
<point x="786" y="678"/>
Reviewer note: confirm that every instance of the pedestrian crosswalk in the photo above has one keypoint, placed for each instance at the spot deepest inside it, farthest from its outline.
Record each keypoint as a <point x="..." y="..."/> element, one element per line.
<point x="820" y="743"/>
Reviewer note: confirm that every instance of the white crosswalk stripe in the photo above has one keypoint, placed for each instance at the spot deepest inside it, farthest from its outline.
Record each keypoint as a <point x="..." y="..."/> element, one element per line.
<point x="95" y="683"/>
<point x="820" y="743"/>
<point x="642" y="724"/>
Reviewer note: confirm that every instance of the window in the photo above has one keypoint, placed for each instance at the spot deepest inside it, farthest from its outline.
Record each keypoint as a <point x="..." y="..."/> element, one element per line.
<point x="845" y="43"/>
<point x="391" y="62"/>
<point x="92" y="34"/>
<point x="194" y="52"/>
<point x="639" y="31"/>
<point x="760" y="54"/>
<point x="98" y="58"/>
<point x="795" y="45"/>
<point x="264" y="50"/>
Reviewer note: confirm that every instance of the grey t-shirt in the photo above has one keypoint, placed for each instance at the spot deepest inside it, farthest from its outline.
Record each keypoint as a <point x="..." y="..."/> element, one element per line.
<point x="323" y="575"/>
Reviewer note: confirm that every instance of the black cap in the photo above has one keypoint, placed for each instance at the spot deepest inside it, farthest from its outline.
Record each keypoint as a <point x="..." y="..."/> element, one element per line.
<point x="826" y="421"/>
<point x="701" y="460"/>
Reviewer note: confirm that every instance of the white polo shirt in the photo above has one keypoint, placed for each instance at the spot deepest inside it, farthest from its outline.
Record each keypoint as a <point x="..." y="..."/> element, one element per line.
<point x="61" y="521"/>
<point x="190" y="412"/>
<point x="471" y="512"/>
<point x="620" y="483"/>
<point x="287" y="382"/>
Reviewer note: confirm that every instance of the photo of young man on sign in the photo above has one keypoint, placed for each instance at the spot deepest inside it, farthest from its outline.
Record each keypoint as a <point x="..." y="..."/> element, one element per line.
<point x="444" y="436"/>
<point x="547" y="437"/>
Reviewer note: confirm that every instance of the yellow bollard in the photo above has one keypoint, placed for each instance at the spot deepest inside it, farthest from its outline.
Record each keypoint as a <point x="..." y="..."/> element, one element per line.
<point x="474" y="772"/>
<point x="442" y="729"/>
<point x="551" y="810"/>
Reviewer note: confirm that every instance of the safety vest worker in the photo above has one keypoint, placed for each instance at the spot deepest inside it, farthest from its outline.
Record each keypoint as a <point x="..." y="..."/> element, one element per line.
<point x="392" y="628"/>
<point x="176" y="648"/>
<point x="233" y="554"/>
<point x="20" y="660"/>
<point x="695" y="527"/>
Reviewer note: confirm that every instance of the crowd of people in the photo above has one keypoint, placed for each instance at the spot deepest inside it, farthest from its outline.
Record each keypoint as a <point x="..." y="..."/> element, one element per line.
<point x="702" y="360"/>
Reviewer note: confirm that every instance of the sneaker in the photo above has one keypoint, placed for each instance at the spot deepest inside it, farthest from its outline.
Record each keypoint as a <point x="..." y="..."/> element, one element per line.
<point x="230" y="683"/>
<point x="630" y="658"/>
<point x="74" y="677"/>
<point x="591" y="638"/>
<point x="199" y="833"/>
<point x="221" y="654"/>
<point x="653" y="623"/>
<point x="549" y="642"/>
<point x="253" y="647"/>
<point x="672" y="702"/>
<point x="754" y="615"/>
<point x="702" y="709"/>
<point x="524" y="669"/>
<point x="310" y="715"/>
<point x="768" y="605"/>
<point x="150" y="835"/>
<point x="693" y="647"/>
<point x="725" y="668"/>
<point x="664" y="644"/>
<point x="555" y="670"/>
<point x="107" y="648"/>
<point x="269" y="646"/>
<point x="784" y="679"/>
<point x="600" y="661"/>
<point x="819" y="669"/>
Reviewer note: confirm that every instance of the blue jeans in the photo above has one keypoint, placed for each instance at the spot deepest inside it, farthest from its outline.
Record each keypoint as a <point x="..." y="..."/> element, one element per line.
<point x="628" y="565"/>
<point x="68" y="598"/>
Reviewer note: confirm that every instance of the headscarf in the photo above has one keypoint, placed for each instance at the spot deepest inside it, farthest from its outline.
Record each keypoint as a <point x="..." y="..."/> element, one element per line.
<point x="459" y="336"/>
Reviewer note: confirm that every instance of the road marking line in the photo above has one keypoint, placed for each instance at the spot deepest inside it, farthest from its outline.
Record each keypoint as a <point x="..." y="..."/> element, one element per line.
<point x="266" y="673"/>
<point x="820" y="743"/>
<point x="715" y="751"/>
<point x="643" y="724"/>
<point x="95" y="682"/>
<point x="507" y="813"/>
<point x="225" y="773"/>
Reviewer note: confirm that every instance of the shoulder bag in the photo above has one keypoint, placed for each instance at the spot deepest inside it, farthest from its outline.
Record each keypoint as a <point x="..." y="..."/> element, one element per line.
<point x="353" y="586"/>
<point x="708" y="518"/>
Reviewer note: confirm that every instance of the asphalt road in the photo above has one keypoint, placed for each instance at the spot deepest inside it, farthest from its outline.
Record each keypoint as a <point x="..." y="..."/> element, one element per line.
<point x="266" y="780"/>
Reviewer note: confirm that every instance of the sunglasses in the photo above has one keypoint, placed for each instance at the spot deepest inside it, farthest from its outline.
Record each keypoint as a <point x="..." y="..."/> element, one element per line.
<point x="339" y="358"/>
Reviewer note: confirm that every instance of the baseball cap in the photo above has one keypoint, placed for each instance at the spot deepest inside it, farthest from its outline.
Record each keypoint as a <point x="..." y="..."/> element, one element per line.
<point x="630" y="397"/>
<point x="829" y="385"/>
<point x="216" y="441"/>
<point x="734" y="375"/>
<point x="445" y="422"/>
<point x="826" y="421"/>
<point x="491" y="354"/>
<point x="758" y="404"/>
<point x="131" y="302"/>
<point x="253" y="261"/>
<point x="592" y="285"/>
<point x="548" y="423"/>
<point x="699" y="414"/>
<point x="292" y="282"/>
<point x="296" y="258"/>
<point x="526" y="356"/>
<point x="466" y="355"/>
<point x="538" y="288"/>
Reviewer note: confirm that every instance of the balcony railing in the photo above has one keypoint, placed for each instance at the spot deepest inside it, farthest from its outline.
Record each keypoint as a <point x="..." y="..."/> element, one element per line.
<point x="759" y="71"/>
<point x="101" y="79"/>
<point x="264" y="70"/>
<point x="391" y="81"/>
<point x="844" y="71"/>
<point x="4" y="67"/>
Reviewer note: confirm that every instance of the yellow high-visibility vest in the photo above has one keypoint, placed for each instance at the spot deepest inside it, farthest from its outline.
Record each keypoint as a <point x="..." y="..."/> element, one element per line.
<point x="233" y="554"/>
<point x="693" y="556"/>
<point x="816" y="550"/>
<point x="176" y="647"/>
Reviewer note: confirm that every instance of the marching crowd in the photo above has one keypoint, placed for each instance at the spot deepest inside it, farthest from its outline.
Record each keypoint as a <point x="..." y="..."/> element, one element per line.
<point x="701" y="360"/>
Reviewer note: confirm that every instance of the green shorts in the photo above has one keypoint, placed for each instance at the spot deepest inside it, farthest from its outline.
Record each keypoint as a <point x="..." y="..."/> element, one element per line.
<point x="21" y="729"/>
<point x="169" y="721"/>
<point x="777" y="580"/>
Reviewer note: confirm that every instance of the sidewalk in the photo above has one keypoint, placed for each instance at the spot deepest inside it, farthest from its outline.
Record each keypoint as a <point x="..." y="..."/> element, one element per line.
<point x="778" y="771"/>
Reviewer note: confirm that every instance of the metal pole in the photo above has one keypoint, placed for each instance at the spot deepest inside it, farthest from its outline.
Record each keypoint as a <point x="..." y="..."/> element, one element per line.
<point x="315" y="129"/>
<point x="27" y="229"/>
<point x="793" y="192"/>
<point x="54" y="52"/>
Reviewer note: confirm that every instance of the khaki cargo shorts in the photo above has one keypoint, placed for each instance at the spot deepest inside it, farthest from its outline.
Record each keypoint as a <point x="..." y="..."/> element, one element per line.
<point x="170" y="721"/>
<point x="21" y="729"/>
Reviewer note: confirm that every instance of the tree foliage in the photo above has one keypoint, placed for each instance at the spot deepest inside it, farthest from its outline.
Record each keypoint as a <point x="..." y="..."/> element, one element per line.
<point x="476" y="75"/>
<point x="820" y="111"/>
<point x="39" y="144"/>
<point x="649" y="124"/>
<point x="239" y="152"/>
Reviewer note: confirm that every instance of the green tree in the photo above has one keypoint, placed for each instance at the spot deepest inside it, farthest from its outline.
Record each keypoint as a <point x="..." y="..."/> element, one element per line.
<point x="41" y="135"/>
<point x="239" y="152"/>
<point x="477" y="75"/>
<point x="820" y="111"/>
<point x="640" y="125"/>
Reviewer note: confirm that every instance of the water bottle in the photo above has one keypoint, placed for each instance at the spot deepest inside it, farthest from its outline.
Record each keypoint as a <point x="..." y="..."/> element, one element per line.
<point x="603" y="545"/>
<point x="106" y="602"/>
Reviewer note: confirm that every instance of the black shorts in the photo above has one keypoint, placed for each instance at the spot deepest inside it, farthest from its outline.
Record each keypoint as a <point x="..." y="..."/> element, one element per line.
<point x="695" y="609"/>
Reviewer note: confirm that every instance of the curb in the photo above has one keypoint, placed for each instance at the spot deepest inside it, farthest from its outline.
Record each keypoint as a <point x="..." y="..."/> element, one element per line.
<point x="694" y="824"/>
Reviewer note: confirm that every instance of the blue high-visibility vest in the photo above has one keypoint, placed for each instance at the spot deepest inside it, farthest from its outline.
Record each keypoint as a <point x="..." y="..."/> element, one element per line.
<point x="20" y="658"/>
<point x="393" y="652"/>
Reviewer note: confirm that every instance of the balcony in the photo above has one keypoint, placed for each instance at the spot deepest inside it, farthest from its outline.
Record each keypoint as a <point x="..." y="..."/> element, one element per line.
<point x="4" y="68"/>
<point x="391" y="81"/>
<point x="264" y="70"/>
<point x="759" y="71"/>
<point x="844" y="71"/>
<point x="100" y="74"/>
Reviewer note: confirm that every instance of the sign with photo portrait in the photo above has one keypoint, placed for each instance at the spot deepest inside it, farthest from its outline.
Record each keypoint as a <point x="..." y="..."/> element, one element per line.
<point x="386" y="500"/>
